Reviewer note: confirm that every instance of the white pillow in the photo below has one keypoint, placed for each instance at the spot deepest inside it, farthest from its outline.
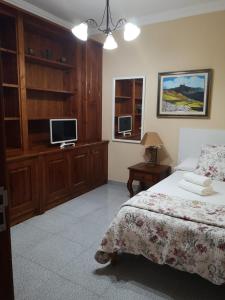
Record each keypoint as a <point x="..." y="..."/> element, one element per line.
<point x="212" y="162"/>
<point x="189" y="164"/>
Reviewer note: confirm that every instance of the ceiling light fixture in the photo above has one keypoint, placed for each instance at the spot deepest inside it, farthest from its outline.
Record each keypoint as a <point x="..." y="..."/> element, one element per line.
<point x="131" y="31"/>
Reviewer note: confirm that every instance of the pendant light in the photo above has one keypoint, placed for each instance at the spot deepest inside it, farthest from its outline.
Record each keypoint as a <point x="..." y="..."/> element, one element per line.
<point x="131" y="31"/>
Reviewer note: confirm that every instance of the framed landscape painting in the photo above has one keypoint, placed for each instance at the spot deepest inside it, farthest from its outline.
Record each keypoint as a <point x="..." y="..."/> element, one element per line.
<point x="184" y="94"/>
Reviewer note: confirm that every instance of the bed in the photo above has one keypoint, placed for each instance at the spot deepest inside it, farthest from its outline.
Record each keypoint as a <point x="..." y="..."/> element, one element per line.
<point x="172" y="226"/>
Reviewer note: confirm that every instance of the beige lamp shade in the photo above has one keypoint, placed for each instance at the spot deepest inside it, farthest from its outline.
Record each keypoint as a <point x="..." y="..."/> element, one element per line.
<point x="151" y="139"/>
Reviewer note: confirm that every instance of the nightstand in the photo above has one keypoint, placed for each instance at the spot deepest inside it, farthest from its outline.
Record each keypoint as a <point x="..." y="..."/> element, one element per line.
<point x="146" y="174"/>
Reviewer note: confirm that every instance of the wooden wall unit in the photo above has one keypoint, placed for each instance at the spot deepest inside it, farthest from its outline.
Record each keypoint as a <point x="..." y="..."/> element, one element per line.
<point x="40" y="181"/>
<point x="47" y="73"/>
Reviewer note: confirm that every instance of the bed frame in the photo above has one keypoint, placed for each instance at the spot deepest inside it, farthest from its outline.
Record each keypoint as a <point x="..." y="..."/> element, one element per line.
<point x="192" y="139"/>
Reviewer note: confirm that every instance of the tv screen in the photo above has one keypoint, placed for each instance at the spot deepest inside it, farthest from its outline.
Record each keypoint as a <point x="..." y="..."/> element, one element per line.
<point x="124" y="124"/>
<point x="63" y="130"/>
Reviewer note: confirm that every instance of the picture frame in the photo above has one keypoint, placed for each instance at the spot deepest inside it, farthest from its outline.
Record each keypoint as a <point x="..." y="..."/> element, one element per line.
<point x="184" y="94"/>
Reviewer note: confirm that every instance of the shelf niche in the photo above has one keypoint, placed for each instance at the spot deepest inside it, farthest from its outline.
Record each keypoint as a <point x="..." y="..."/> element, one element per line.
<point x="7" y="32"/>
<point x="38" y="134"/>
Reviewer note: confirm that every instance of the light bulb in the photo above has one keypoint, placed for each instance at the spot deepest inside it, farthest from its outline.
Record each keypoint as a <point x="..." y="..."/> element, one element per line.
<point x="81" y="31"/>
<point x="110" y="42"/>
<point x="131" y="32"/>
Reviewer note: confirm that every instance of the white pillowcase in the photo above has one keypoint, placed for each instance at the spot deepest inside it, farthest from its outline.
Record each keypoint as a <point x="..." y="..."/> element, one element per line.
<point x="189" y="164"/>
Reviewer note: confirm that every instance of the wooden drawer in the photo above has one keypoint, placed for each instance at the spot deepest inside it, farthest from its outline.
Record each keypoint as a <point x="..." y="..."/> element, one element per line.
<point x="142" y="177"/>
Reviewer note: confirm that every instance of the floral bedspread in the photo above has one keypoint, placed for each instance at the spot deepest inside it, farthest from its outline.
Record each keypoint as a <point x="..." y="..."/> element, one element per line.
<point x="187" y="235"/>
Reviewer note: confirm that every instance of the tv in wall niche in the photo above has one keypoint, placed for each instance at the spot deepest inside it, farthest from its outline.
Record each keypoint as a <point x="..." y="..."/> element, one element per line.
<point x="184" y="94"/>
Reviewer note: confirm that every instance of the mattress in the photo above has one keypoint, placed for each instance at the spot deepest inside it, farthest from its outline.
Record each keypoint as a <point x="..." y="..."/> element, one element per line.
<point x="169" y="186"/>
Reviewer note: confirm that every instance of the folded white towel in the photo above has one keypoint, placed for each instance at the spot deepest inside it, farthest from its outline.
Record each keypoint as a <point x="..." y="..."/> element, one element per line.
<point x="196" y="189"/>
<point x="197" y="179"/>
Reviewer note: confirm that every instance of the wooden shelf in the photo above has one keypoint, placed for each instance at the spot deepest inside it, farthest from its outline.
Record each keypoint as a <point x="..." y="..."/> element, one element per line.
<point x="9" y="85"/>
<point x="44" y="118"/>
<point x="44" y="90"/>
<point x="48" y="62"/>
<point x="5" y="50"/>
<point x="123" y="97"/>
<point x="138" y="98"/>
<point x="11" y="118"/>
<point x="123" y="114"/>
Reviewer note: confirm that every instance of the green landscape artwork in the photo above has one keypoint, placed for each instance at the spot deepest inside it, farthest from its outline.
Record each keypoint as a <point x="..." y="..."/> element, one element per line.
<point x="183" y="94"/>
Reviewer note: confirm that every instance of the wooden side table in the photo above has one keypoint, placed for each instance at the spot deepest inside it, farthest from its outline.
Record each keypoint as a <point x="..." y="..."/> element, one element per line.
<point x="146" y="174"/>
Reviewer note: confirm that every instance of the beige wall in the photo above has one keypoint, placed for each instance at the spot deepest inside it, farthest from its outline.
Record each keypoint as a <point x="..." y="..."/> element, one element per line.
<point x="190" y="43"/>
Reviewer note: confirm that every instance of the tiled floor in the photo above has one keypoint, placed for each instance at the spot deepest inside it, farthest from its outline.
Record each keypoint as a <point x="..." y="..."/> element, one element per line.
<point x="53" y="258"/>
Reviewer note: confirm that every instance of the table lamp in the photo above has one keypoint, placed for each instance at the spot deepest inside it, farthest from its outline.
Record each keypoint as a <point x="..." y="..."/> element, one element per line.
<point x="152" y="142"/>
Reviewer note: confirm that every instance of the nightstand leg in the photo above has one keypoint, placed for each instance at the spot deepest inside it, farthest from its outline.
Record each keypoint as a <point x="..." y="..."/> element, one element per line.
<point x="130" y="187"/>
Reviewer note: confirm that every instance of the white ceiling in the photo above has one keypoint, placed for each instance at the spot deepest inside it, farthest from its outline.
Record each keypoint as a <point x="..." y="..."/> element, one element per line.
<point x="70" y="12"/>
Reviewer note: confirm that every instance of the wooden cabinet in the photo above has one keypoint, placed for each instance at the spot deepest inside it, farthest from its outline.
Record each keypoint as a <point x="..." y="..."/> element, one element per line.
<point x="39" y="183"/>
<point x="93" y="91"/>
<point x="56" y="179"/>
<point x="99" y="165"/>
<point x="23" y="190"/>
<point x="79" y="170"/>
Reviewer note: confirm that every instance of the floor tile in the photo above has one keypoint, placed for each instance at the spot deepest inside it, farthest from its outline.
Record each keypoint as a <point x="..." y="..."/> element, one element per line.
<point x="59" y="288"/>
<point x="29" y="277"/>
<point x="54" y="253"/>
<point x="84" y="232"/>
<point x="24" y="237"/>
<point x="83" y="272"/>
<point x="51" y="221"/>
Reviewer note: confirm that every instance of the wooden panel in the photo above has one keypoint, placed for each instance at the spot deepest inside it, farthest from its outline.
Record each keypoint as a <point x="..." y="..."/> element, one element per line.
<point x="56" y="183"/>
<point x="6" y="277"/>
<point x="23" y="192"/>
<point x="12" y="133"/>
<point x="79" y="169"/>
<point x="99" y="165"/>
<point x="9" y="66"/>
<point x="93" y="105"/>
<point x="42" y="105"/>
<point x="11" y="102"/>
<point x="7" y="32"/>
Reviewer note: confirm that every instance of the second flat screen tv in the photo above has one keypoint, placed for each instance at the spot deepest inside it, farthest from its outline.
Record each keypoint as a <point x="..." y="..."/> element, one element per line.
<point x="63" y="130"/>
<point x="124" y="124"/>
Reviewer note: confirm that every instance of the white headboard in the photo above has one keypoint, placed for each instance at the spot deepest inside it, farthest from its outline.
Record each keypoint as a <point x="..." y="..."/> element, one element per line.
<point x="191" y="141"/>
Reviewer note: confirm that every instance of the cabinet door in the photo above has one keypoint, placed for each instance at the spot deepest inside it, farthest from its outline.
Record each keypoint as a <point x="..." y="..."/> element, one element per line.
<point x="93" y="98"/>
<point x="56" y="179"/>
<point x="22" y="188"/>
<point x="99" y="165"/>
<point x="79" y="170"/>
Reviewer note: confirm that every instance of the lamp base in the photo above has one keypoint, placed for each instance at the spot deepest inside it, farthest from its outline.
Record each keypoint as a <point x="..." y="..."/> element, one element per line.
<point x="153" y="156"/>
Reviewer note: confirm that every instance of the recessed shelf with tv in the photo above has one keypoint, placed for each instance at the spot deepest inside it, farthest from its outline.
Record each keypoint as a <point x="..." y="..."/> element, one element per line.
<point x="63" y="132"/>
<point x="125" y="125"/>
<point x="128" y="108"/>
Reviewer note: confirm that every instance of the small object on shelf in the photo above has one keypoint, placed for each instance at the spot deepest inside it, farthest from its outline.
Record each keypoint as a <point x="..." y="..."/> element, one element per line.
<point x="47" y="53"/>
<point x="30" y="51"/>
<point x="152" y="142"/>
<point x="63" y="59"/>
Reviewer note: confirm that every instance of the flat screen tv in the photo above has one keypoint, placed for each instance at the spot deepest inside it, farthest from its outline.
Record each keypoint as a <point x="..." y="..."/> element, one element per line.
<point x="63" y="131"/>
<point x="124" y="124"/>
